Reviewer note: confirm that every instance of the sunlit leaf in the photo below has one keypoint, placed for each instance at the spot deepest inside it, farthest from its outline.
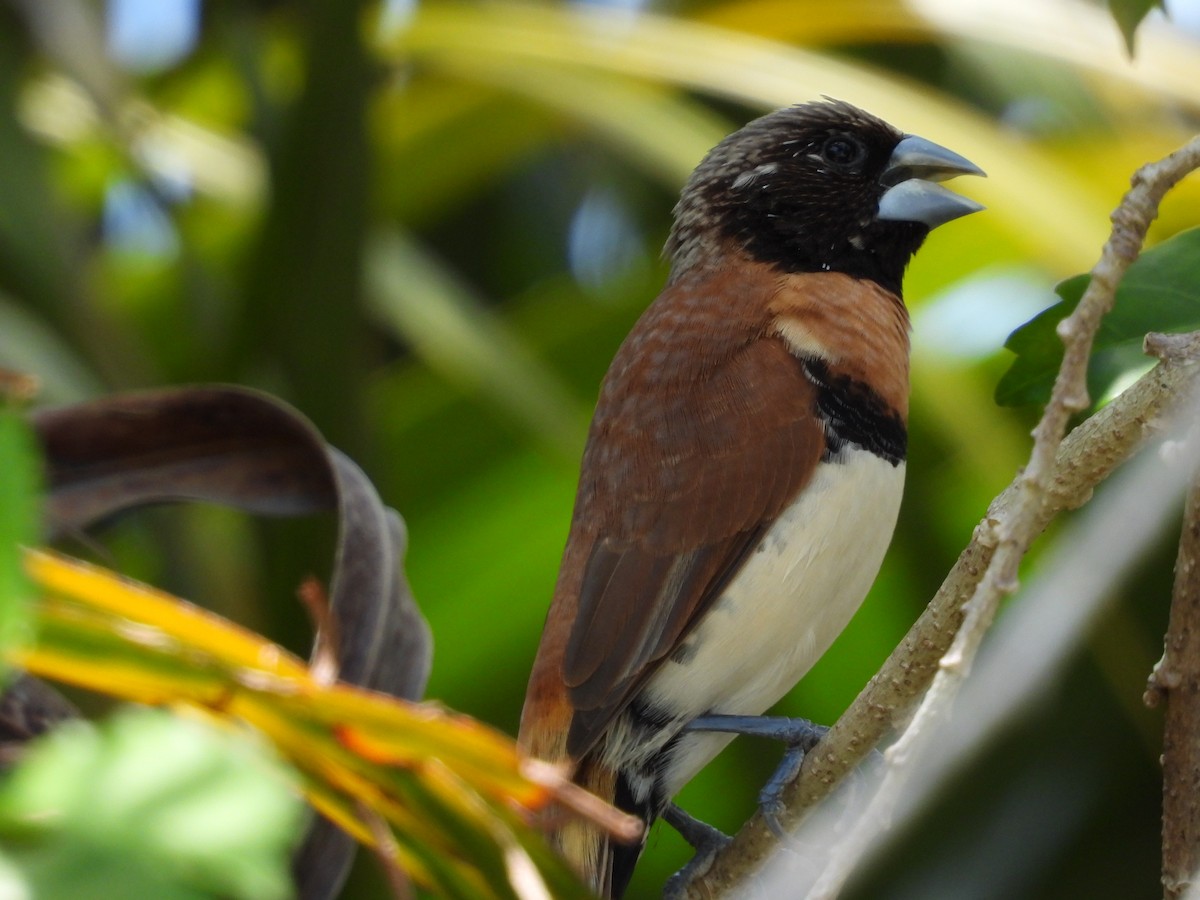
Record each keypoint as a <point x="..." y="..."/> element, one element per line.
<point x="658" y="129"/>
<point x="1160" y="292"/>
<point x="458" y="795"/>
<point x="1079" y="35"/>
<point x="1042" y="204"/>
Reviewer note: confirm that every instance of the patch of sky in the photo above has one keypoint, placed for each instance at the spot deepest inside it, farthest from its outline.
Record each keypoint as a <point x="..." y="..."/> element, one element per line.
<point x="151" y="35"/>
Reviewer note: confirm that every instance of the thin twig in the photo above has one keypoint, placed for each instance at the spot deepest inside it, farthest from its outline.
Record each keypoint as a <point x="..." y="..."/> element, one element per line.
<point x="324" y="662"/>
<point x="1058" y="476"/>
<point x="1177" y="678"/>
<point x="17" y="388"/>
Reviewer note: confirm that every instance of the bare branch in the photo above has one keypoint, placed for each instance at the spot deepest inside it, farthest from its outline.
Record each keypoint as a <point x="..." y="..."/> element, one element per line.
<point x="1060" y="475"/>
<point x="1177" y="678"/>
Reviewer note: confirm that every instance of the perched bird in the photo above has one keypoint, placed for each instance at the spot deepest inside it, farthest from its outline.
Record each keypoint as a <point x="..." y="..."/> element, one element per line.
<point x="744" y="467"/>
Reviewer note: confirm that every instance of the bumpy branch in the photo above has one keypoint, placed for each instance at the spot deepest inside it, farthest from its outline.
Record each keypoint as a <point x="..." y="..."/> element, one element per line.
<point x="938" y="650"/>
<point x="1177" y="678"/>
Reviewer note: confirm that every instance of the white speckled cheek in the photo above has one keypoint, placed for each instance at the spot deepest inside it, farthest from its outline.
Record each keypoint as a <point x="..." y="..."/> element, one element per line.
<point x="792" y="598"/>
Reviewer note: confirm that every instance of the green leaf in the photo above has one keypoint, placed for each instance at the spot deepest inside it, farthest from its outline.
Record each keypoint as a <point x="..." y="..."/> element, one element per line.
<point x="19" y="480"/>
<point x="1129" y="14"/>
<point x="149" y="805"/>
<point x="1160" y="292"/>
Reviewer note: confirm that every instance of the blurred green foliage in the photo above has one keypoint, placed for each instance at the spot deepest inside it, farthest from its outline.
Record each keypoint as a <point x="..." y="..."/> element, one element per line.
<point x="429" y="225"/>
<point x="19" y="486"/>
<point x="147" y="805"/>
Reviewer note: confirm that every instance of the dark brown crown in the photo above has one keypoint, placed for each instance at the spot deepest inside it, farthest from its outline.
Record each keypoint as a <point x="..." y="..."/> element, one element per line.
<point x="799" y="189"/>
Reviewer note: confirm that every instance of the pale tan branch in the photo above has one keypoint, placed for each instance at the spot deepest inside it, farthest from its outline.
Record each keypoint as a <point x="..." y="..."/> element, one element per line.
<point x="1177" y="678"/>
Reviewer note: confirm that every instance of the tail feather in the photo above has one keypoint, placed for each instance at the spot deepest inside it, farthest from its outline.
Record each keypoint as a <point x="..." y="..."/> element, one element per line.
<point x="623" y="857"/>
<point x="605" y="865"/>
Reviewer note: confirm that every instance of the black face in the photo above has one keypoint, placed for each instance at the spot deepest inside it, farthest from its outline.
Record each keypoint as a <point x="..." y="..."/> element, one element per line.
<point x="800" y="189"/>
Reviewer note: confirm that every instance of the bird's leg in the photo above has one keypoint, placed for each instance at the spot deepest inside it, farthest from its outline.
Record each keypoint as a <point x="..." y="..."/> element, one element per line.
<point x="799" y="735"/>
<point x="704" y="839"/>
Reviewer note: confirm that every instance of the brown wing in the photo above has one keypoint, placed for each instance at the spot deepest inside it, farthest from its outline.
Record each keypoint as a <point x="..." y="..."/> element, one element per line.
<point x="705" y="431"/>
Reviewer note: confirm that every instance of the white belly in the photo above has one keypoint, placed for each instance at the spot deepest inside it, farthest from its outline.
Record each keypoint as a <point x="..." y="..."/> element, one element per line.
<point x="793" y="596"/>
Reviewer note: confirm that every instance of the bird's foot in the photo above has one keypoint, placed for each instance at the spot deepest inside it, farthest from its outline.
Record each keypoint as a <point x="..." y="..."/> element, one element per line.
<point x="704" y="839"/>
<point x="799" y="735"/>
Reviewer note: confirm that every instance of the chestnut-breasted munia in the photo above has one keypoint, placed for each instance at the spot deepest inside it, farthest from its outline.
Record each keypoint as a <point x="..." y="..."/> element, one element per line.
<point x="744" y="468"/>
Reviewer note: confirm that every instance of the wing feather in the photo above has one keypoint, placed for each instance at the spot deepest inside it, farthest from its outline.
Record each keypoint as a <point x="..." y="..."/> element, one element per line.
<point x="690" y="458"/>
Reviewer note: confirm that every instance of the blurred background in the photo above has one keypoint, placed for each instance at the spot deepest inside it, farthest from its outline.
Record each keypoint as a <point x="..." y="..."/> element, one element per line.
<point x="428" y="226"/>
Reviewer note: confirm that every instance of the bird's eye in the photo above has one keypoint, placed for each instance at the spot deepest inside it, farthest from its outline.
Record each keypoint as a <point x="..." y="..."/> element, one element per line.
<point x="843" y="151"/>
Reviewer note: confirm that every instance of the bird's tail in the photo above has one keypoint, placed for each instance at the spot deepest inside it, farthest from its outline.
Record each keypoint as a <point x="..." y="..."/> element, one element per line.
<point x="603" y="863"/>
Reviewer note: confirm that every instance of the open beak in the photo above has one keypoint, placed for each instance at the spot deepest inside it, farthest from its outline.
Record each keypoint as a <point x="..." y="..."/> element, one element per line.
<point x="913" y="194"/>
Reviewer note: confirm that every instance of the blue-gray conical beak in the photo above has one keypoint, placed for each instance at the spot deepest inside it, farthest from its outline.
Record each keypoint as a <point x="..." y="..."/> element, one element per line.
<point x="911" y="177"/>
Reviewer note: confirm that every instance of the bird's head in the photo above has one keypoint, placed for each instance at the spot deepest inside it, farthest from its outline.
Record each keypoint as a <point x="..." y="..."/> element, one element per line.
<point x="821" y="186"/>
